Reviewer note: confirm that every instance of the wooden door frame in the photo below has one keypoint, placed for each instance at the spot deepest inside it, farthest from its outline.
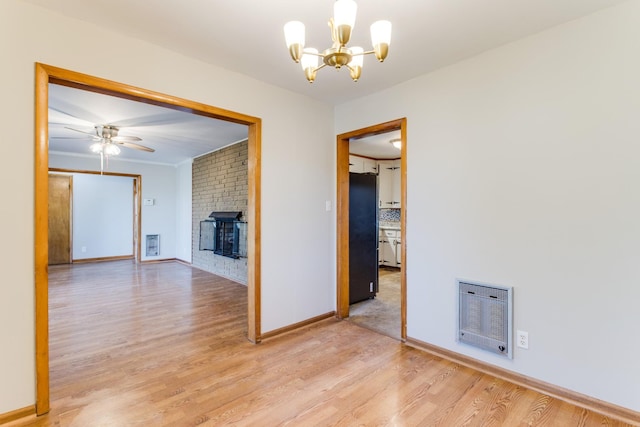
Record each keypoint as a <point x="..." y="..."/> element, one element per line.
<point x="342" y="238"/>
<point x="137" y="202"/>
<point x="45" y="74"/>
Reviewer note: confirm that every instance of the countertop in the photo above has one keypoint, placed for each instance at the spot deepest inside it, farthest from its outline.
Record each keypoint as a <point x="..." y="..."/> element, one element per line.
<point x="389" y="225"/>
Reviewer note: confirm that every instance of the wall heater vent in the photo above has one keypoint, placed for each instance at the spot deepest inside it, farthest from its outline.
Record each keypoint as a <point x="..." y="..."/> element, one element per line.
<point x="485" y="317"/>
<point x="152" y="245"/>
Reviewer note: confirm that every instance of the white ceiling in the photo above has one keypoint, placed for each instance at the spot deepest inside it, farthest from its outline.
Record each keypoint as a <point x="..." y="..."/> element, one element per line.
<point x="239" y="34"/>
<point x="175" y="135"/>
<point x="376" y="146"/>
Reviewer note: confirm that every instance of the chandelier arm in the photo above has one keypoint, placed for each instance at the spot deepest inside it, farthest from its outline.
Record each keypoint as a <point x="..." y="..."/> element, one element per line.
<point x="334" y="33"/>
<point x="368" y="52"/>
<point x="321" y="66"/>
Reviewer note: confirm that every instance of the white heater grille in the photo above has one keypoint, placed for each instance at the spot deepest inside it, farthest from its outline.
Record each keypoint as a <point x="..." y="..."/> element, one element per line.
<point x="153" y="245"/>
<point x="484" y="318"/>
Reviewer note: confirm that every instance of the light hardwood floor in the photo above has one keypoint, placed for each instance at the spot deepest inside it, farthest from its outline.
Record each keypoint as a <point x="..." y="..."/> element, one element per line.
<point x="164" y="345"/>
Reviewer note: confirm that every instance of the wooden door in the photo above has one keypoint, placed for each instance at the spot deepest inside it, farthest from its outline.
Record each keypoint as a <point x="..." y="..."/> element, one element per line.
<point x="59" y="219"/>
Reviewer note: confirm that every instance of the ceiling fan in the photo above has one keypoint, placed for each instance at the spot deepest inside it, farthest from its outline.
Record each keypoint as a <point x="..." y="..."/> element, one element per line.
<point x="108" y="135"/>
<point x="107" y="142"/>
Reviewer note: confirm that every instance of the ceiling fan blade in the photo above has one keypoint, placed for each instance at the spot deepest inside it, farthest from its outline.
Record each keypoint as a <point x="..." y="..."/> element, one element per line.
<point x="94" y="134"/>
<point x="125" y="139"/>
<point x="135" y="146"/>
<point x="64" y="123"/>
<point x="167" y="118"/>
<point x="74" y="111"/>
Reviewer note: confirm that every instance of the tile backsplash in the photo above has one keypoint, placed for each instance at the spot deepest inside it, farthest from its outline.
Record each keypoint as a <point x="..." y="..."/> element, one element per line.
<point x="389" y="215"/>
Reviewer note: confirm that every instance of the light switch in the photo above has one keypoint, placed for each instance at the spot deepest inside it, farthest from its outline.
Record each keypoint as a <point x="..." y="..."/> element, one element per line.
<point x="148" y="202"/>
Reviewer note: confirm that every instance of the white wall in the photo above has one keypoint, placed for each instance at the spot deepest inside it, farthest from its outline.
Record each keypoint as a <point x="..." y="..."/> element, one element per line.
<point x="102" y="216"/>
<point x="523" y="171"/>
<point x="296" y="131"/>
<point x="183" y="211"/>
<point x="158" y="183"/>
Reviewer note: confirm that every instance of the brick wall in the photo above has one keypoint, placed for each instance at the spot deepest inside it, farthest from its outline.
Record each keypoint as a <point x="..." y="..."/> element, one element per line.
<point x="220" y="183"/>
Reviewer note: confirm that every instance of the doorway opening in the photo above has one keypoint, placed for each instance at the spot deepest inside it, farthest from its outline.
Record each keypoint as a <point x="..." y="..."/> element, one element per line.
<point x="114" y="202"/>
<point x="46" y="74"/>
<point x="343" y="221"/>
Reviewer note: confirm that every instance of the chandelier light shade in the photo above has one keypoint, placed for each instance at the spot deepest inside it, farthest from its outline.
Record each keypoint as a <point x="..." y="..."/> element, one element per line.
<point x="357" y="59"/>
<point x="294" y="36"/>
<point x="309" y="63"/>
<point x="380" y="38"/>
<point x="338" y="55"/>
<point x="344" y="19"/>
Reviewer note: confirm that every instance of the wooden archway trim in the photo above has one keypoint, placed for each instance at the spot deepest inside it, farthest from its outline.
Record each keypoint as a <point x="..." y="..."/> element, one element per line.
<point x="342" y="211"/>
<point x="45" y="74"/>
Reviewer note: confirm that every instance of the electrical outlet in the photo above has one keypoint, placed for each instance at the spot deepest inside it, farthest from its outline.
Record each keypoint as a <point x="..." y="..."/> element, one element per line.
<point x="522" y="339"/>
<point x="83" y="249"/>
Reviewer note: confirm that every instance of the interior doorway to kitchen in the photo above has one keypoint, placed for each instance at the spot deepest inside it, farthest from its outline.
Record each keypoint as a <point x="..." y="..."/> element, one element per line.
<point x="376" y="312"/>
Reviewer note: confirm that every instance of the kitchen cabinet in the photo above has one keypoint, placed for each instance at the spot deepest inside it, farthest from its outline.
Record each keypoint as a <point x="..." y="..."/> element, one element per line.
<point x="389" y="184"/>
<point x="396" y="193"/>
<point x="369" y="165"/>
<point x="389" y="247"/>
<point x="359" y="164"/>
<point x="383" y="243"/>
<point x="355" y="164"/>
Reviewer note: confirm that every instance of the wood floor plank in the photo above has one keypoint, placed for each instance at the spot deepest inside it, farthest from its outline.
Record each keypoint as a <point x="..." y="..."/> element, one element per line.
<point x="165" y="344"/>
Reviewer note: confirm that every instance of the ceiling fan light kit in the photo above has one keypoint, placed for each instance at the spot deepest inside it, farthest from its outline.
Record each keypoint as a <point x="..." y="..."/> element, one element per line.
<point x="338" y="55"/>
<point x="106" y="148"/>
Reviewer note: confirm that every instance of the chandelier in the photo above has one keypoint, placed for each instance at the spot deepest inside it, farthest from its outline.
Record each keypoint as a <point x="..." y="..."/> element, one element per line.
<point x="338" y="55"/>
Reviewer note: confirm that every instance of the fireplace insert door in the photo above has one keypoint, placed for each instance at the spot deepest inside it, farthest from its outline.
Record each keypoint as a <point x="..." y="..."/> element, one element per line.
<point x="224" y="234"/>
<point x="225" y="239"/>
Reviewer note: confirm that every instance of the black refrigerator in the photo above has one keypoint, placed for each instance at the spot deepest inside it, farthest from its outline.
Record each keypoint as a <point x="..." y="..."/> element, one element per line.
<point x="363" y="236"/>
